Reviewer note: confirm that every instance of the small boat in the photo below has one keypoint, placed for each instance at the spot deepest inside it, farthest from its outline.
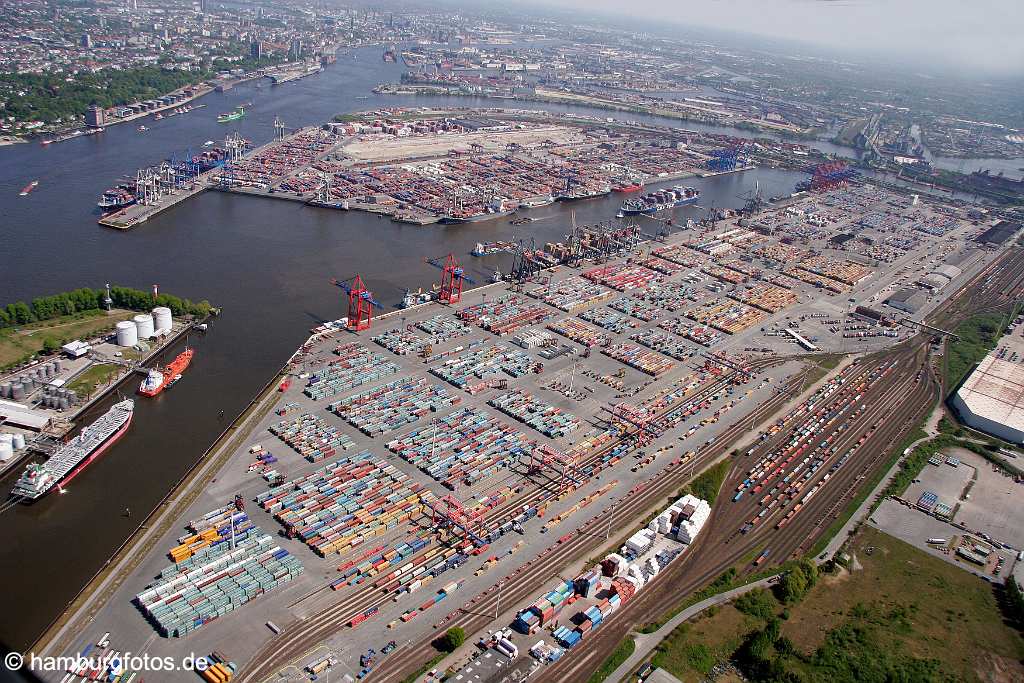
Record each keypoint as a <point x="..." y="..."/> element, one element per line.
<point x="208" y="143"/>
<point x="28" y="188"/>
<point x="158" y="117"/>
<point x="44" y="143"/>
<point x="143" y="129"/>
<point x="412" y="298"/>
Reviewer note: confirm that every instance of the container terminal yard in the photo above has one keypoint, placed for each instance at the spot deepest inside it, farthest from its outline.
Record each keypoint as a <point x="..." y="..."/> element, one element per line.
<point x="437" y="167"/>
<point x="476" y="450"/>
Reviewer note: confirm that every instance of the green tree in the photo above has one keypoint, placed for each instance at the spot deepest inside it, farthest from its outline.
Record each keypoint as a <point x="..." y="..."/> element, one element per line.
<point x="20" y="313"/>
<point x="50" y="345"/>
<point x="452" y="639"/>
<point x="757" y="603"/>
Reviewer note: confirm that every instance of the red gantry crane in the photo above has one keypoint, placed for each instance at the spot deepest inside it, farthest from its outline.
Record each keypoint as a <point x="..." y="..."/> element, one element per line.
<point x="452" y="277"/>
<point x="360" y="302"/>
<point x="449" y="512"/>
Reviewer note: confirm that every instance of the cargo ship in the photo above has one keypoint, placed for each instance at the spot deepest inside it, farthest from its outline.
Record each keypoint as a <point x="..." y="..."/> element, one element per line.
<point x="488" y="248"/>
<point x="158" y="380"/>
<point x="232" y="116"/>
<point x="28" y="188"/>
<point x="495" y="209"/>
<point x="660" y="200"/>
<point x="74" y="456"/>
<point x="116" y="198"/>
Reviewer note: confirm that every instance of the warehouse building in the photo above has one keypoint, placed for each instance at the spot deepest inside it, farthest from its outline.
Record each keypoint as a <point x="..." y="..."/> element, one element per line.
<point x="998" y="233"/>
<point x="991" y="399"/>
<point x="908" y="300"/>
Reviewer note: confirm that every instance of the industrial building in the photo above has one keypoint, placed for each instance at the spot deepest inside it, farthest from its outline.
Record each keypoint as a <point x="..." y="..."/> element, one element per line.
<point x="908" y="300"/>
<point x="991" y="399"/>
<point x="998" y="233"/>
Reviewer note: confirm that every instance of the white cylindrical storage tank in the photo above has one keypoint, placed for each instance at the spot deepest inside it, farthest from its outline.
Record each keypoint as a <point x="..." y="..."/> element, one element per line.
<point x="18" y="442"/>
<point x="6" y="451"/>
<point x="127" y="333"/>
<point x="7" y="437"/>
<point x="144" y="325"/>
<point x="162" y="318"/>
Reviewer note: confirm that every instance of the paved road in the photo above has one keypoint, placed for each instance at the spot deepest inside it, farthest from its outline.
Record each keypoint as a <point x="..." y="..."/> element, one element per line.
<point x="646" y="642"/>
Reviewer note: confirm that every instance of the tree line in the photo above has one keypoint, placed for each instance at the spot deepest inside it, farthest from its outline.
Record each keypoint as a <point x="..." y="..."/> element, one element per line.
<point x="50" y="97"/>
<point x="86" y="299"/>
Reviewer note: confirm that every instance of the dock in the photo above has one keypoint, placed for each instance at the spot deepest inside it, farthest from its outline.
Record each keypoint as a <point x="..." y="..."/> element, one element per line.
<point x="133" y="215"/>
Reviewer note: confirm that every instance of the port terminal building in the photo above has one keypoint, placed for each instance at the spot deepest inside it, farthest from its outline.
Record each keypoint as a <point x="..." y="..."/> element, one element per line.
<point x="991" y="399"/>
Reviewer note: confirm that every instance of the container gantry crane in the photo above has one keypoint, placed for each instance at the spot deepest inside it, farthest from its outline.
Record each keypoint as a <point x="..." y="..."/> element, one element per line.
<point x="562" y="465"/>
<point x="360" y="302"/>
<point x="448" y="512"/>
<point x="453" y="276"/>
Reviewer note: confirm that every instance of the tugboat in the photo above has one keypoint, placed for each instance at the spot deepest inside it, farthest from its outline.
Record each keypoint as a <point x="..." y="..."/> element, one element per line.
<point x="416" y="298"/>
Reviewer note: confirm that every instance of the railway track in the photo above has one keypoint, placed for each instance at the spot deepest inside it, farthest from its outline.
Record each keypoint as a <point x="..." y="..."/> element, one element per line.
<point x="523" y="582"/>
<point x="904" y="401"/>
<point x="317" y="628"/>
<point x="907" y="402"/>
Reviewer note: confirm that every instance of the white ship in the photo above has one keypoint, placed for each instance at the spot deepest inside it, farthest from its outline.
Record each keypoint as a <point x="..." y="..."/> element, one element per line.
<point x="75" y="455"/>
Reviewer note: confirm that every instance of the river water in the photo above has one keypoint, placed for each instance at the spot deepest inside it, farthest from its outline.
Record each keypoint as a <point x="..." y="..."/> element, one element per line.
<point x="266" y="262"/>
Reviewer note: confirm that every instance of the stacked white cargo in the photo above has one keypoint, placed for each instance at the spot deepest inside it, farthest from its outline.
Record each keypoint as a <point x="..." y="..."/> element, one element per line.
<point x="636" y="576"/>
<point x="693" y="514"/>
<point x="639" y="543"/>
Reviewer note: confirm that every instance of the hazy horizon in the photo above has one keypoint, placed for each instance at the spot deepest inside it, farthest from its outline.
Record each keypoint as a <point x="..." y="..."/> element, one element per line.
<point x="982" y="36"/>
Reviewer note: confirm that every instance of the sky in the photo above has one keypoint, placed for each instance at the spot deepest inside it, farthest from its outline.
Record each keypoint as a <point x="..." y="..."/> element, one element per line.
<point x="963" y="35"/>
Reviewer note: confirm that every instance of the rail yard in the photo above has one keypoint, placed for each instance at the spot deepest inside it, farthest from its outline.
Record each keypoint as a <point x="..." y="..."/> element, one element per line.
<point x="440" y="465"/>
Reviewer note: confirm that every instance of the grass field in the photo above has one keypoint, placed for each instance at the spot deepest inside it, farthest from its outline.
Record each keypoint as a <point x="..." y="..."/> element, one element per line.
<point x="621" y="654"/>
<point x="17" y="344"/>
<point x="97" y="374"/>
<point x="978" y="335"/>
<point x="900" y="614"/>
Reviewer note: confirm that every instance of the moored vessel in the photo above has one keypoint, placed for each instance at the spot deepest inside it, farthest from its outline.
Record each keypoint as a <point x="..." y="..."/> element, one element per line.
<point x="74" y="456"/>
<point x="158" y="380"/>
<point x="116" y="198"/>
